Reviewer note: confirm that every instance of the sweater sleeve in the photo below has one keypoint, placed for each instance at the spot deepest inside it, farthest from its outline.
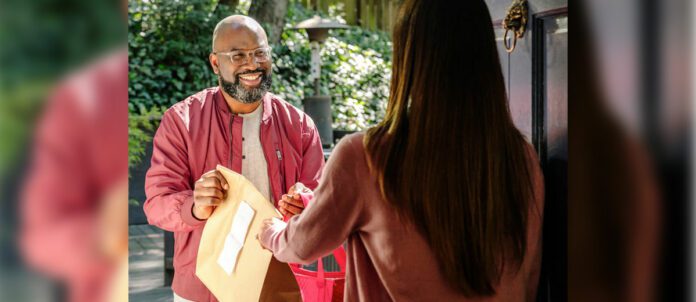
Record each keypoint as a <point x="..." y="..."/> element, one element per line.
<point x="330" y="218"/>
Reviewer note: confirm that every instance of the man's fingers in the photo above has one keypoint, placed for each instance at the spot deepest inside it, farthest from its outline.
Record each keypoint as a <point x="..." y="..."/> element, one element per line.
<point x="221" y="179"/>
<point x="209" y="173"/>
<point x="291" y="208"/>
<point x="294" y="210"/>
<point x="293" y="201"/>
<point x="207" y="201"/>
<point x="214" y="178"/>
<point x="209" y="182"/>
<point x="210" y="192"/>
<point x="214" y="182"/>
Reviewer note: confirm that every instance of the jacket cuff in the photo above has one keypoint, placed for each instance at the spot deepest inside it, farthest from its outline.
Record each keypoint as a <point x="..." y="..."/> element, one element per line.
<point x="187" y="213"/>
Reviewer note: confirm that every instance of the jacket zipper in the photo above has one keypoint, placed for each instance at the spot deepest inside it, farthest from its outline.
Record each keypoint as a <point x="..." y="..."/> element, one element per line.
<point x="269" y="162"/>
<point x="279" y="155"/>
<point x="229" y="163"/>
<point x="280" y="160"/>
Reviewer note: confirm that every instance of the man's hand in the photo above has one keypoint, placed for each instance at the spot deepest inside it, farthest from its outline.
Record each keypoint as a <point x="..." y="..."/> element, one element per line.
<point x="291" y="204"/>
<point x="208" y="193"/>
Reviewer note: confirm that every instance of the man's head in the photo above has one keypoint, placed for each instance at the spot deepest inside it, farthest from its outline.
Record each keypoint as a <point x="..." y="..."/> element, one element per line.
<point x="241" y="58"/>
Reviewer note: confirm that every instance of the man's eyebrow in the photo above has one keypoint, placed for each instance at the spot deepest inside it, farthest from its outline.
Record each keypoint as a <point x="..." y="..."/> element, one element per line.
<point x="255" y="48"/>
<point x="229" y="50"/>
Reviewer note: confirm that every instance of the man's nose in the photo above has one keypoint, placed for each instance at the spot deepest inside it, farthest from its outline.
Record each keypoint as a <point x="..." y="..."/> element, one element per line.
<point x="251" y="63"/>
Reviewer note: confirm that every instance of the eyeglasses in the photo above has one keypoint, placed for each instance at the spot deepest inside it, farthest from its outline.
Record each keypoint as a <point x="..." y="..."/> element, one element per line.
<point x="241" y="57"/>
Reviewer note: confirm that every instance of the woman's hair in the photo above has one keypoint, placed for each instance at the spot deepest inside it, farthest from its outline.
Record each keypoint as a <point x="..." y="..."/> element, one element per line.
<point x="447" y="155"/>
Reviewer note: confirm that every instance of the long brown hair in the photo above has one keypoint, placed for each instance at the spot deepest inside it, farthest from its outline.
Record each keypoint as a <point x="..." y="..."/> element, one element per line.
<point x="447" y="155"/>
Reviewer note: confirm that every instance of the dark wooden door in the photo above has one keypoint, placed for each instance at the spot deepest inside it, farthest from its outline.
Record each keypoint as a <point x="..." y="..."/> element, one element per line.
<point x="537" y="82"/>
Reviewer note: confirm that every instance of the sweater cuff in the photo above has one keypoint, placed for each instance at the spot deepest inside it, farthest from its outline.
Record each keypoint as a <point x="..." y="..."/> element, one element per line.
<point x="270" y="237"/>
<point x="306" y="198"/>
<point x="187" y="213"/>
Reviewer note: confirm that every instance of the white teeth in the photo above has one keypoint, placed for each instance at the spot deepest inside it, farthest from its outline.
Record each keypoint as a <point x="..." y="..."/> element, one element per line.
<point x="250" y="77"/>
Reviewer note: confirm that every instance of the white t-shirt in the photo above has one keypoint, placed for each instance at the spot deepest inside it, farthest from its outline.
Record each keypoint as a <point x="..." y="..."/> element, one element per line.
<point x="254" y="165"/>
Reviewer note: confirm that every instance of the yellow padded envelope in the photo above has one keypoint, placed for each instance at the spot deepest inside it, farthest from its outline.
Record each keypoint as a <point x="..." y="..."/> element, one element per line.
<point x="248" y="272"/>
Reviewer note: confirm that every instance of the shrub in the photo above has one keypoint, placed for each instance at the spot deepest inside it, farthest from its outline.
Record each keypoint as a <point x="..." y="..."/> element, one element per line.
<point x="169" y="42"/>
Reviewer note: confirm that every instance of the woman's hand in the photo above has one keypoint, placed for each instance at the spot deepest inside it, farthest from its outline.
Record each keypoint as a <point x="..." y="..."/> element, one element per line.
<point x="268" y="227"/>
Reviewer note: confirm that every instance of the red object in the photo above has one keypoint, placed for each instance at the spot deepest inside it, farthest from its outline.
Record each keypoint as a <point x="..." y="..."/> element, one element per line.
<point x="321" y="286"/>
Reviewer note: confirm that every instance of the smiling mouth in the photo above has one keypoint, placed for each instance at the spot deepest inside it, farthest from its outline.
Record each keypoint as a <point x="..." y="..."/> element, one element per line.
<point x="251" y="79"/>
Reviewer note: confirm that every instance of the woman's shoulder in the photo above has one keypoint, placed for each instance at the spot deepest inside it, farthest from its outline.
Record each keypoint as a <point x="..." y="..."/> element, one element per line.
<point x="353" y="138"/>
<point x="350" y="147"/>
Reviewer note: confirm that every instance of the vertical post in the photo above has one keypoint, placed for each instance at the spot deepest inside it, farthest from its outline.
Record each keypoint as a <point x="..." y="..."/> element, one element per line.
<point x="318" y="106"/>
<point x="315" y="65"/>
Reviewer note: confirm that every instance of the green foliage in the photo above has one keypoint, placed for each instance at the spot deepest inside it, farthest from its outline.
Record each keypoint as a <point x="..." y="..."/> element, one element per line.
<point x="141" y="126"/>
<point x="168" y="47"/>
<point x="169" y="43"/>
<point x="356" y="69"/>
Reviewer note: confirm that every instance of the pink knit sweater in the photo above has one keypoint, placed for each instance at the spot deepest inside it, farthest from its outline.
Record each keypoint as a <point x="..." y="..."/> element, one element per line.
<point x="386" y="259"/>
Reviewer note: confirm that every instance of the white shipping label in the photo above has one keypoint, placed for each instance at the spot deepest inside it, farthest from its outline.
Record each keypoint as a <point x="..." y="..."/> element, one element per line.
<point x="235" y="239"/>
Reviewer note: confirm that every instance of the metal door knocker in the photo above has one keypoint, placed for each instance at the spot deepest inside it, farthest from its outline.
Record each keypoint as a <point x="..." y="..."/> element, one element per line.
<point x="515" y="21"/>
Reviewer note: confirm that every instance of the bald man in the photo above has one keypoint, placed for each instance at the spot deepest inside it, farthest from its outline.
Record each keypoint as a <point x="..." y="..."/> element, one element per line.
<point x="238" y="124"/>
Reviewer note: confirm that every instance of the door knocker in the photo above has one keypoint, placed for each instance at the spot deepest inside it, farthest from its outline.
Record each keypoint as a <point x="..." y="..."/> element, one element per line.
<point x="515" y="21"/>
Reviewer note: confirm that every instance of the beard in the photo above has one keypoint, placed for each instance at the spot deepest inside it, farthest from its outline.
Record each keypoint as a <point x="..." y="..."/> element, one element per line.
<point x="243" y="94"/>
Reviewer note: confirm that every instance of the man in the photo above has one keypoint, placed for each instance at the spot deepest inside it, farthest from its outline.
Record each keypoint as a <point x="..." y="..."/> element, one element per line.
<point x="239" y="125"/>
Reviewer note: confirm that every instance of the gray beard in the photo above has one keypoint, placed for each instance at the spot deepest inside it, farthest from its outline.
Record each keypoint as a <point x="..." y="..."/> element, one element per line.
<point x="244" y="95"/>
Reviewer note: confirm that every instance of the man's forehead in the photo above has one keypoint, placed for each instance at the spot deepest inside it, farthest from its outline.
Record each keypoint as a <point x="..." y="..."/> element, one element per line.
<point x="238" y="32"/>
<point x="239" y="39"/>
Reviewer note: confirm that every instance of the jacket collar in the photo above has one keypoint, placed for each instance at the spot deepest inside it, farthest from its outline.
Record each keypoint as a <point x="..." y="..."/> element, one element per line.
<point x="267" y="107"/>
<point x="266" y="103"/>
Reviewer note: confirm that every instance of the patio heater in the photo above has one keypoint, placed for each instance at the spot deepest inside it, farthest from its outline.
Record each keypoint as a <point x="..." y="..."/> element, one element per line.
<point x="319" y="106"/>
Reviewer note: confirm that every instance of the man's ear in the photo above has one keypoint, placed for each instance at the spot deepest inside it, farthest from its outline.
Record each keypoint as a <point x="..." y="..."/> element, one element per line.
<point x="214" y="63"/>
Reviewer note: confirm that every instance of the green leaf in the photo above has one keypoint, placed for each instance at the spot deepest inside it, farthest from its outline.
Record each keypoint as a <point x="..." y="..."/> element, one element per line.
<point x="146" y="70"/>
<point x="181" y="73"/>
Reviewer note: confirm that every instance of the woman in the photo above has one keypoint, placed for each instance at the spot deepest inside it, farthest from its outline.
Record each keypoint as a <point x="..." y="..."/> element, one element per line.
<point x="442" y="200"/>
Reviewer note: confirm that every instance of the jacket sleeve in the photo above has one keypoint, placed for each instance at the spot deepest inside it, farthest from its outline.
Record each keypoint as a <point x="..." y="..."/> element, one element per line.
<point x="167" y="183"/>
<point x="333" y="214"/>
<point x="312" y="155"/>
<point x="59" y="198"/>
